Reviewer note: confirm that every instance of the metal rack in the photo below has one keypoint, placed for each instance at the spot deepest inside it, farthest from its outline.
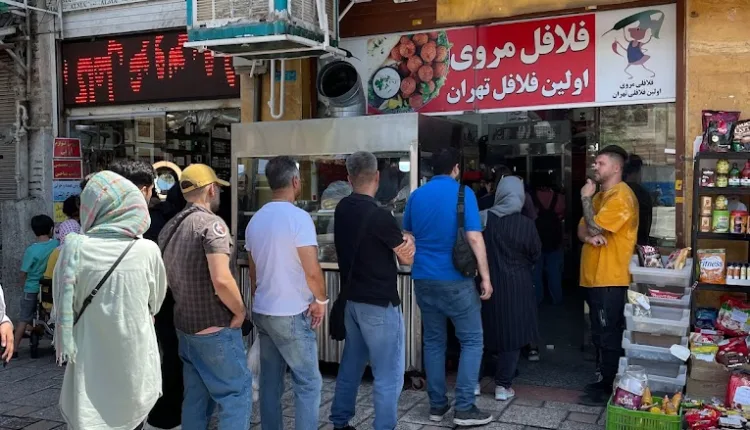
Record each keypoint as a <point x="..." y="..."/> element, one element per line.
<point x="697" y="235"/>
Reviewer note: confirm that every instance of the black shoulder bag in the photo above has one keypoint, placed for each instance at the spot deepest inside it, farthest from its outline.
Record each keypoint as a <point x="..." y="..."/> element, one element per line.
<point x="106" y="276"/>
<point x="336" y="327"/>
<point x="463" y="256"/>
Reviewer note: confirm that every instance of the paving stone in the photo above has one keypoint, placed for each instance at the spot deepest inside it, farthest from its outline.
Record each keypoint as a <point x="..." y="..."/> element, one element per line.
<point x="571" y="425"/>
<point x="489" y="404"/>
<point x="528" y="402"/>
<point x="361" y="413"/>
<point x="6" y="407"/>
<point x="595" y="410"/>
<point x="44" y="397"/>
<point x="369" y="423"/>
<point x="581" y="417"/>
<point x="21" y="389"/>
<point x="22" y="411"/>
<point x="530" y="416"/>
<point x="15" y="374"/>
<point x="16" y="423"/>
<point x="420" y="414"/>
<point x="43" y="425"/>
<point x="51" y="413"/>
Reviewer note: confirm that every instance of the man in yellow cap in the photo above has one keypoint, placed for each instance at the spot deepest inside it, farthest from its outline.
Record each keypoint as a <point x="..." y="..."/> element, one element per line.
<point x="209" y="310"/>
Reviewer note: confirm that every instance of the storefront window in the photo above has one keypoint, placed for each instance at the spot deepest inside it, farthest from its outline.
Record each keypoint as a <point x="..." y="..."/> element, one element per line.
<point x="177" y="139"/>
<point x="324" y="184"/>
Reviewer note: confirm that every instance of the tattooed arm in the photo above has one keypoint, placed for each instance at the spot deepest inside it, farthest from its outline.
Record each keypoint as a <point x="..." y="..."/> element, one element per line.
<point x="588" y="216"/>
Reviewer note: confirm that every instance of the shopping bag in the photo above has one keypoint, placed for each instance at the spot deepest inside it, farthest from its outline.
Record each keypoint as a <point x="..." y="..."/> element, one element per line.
<point x="253" y="364"/>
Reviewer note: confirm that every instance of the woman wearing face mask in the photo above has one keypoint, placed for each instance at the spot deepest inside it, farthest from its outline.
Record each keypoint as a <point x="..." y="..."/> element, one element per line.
<point x="510" y="316"/>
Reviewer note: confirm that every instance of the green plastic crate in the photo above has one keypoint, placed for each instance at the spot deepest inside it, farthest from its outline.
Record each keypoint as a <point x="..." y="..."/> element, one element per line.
<point x="624" y="419"/>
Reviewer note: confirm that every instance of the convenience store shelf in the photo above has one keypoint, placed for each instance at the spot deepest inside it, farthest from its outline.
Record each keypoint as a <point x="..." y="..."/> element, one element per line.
<point x="702" y="286"/>
<point x="723" y="155"/>
<point x="726" y="191"/>
<point x="724" y="236"/>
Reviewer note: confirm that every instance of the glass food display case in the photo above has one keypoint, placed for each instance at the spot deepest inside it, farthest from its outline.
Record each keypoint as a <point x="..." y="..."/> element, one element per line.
<point x="403" y="145"/>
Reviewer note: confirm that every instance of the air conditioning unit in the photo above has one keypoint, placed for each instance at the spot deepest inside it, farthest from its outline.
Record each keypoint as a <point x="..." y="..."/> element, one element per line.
<point x="264" y="29"/>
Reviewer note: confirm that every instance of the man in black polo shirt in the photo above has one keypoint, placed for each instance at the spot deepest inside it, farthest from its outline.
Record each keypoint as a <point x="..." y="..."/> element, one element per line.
<point x="368" y="242"/>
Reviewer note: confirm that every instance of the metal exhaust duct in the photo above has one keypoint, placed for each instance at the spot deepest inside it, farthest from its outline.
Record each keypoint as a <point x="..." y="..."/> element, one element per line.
<point x="340" y="84"/>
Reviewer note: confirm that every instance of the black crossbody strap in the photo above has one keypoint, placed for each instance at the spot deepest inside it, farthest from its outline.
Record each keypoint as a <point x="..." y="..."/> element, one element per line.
<point x="460" y="208"/>
<point x="360" y="236"/>
<point x="106" y="276"/>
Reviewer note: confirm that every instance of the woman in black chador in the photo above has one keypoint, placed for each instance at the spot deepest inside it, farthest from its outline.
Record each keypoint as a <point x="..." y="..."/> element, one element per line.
<point x="510" y="316"/>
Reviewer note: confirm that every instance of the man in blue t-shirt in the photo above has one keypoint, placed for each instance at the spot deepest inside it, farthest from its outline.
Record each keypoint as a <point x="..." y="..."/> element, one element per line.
<point x="442" y="292"/>
<point x="33" y="266"/>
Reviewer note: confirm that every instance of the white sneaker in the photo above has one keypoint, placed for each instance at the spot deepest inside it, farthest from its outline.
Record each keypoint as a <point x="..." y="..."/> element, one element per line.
<point x="504" y="394"/>
<point x="478" y="390"/>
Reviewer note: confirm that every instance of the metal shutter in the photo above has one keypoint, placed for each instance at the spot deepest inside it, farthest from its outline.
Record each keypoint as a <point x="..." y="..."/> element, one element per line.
<point x="8" y="145"/>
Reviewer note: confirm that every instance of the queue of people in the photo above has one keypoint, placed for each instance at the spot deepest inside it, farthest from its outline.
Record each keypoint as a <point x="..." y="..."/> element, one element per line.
<point x="175" y="354"/>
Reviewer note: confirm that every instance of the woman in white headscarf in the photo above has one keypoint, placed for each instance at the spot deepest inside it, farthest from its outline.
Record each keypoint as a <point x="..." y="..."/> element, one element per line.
<point x="107" y="287"/>
<point x="510" y="316"/>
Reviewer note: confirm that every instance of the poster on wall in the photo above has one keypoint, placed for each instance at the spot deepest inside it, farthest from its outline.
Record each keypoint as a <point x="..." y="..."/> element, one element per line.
<point x="605" y="58"/>
<point x="66" y="148"/>
<point x="61" y="190"/>
<point x="67" y="169"/>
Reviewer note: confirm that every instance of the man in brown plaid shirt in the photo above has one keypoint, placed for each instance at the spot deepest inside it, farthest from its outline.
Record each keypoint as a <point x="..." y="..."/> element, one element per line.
<point x="209" y="310"/>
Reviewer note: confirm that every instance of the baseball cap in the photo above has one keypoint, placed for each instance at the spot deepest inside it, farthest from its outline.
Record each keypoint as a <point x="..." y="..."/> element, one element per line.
<point x="197" y="176"/>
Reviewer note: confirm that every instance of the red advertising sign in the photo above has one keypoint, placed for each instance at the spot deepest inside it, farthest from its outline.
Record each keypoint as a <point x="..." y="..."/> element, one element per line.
<point x="587" y="59"/>
<point x="528" y="63"/>
<point x="66" y="148"/>
<point x="67" y="169"/>
<point x="142" y="68"/>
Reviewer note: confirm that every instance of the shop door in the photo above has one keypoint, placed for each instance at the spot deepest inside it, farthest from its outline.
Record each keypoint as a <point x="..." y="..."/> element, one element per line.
<point x="8" y="144"/>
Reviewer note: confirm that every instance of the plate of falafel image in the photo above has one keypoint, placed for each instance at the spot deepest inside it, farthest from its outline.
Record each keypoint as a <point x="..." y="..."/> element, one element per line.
<point x="412" y="74"/>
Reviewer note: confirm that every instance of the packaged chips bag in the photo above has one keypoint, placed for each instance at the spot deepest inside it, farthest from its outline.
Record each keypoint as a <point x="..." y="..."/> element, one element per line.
<point x="649" y="257"/>
<point x="677" y="259"/>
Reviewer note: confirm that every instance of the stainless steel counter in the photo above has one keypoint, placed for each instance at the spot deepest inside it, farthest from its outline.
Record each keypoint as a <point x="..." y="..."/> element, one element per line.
<point x="330" y="350"/>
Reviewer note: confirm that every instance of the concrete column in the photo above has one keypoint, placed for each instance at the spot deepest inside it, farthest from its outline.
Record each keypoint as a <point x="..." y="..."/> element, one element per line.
<point x="43" y="122"/>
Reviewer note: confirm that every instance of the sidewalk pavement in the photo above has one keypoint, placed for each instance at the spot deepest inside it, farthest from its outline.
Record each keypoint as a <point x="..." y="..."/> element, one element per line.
<point x="30" y="390"/>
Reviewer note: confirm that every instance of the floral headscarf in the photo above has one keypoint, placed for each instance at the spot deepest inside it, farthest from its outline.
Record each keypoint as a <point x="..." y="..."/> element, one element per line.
<point x="111" y="207"/>
<point x="65" y="228"/>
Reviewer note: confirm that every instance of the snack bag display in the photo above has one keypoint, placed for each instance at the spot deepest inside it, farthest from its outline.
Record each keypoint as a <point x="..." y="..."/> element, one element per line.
<point x="677" y="259"/>
<point x="640" y="302"/>
<point x="649" y="257"/>
<point x="712" y="265"/>
<point x="733" y="317"/>
<point x="738" y="390"/>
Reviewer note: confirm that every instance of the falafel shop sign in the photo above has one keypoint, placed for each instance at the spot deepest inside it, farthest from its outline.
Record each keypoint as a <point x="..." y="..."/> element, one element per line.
<point x="606" y="58"/>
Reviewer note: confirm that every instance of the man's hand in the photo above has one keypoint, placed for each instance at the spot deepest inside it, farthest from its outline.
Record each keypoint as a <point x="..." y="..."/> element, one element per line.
<point x="486" y="289"/>
<point x="237" y="320"/>
<point x="6" y="340"/>
<point x="316" y="311"/>
<point x="407" y="248"/>
<point x="589" y="189"/>
<point x="597" y="240"/>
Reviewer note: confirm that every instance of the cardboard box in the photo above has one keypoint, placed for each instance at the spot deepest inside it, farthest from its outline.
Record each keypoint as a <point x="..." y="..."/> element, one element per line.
<point x="705" y="390"/>
<point x="704" y="371"/>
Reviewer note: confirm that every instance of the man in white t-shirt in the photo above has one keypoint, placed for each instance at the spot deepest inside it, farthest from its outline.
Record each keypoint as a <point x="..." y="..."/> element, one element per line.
<point x="289" y="298"/>
<point x="6" y="332"/>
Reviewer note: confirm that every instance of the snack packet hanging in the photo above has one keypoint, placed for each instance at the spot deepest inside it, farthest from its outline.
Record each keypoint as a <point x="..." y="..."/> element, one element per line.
<point x="677" y="259"/>
<point x="733" y="317"/>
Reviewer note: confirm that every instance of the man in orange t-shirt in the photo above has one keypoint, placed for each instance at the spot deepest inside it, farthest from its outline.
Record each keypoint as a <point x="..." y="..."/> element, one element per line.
<point x="609" y="230"/>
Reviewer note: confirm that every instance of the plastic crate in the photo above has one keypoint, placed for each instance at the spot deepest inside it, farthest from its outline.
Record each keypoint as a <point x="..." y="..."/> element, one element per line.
<point x="663" y="377"/>
<point x="683" y="303"/>
<point x="670" y="321"/>
<point x="649" y="352"/>
<point x="624" y="419"/>
<point x="661" y="277"/>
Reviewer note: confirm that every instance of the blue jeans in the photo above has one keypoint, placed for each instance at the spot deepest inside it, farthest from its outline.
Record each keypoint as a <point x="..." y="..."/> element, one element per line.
<point x="215" y="373"/>
<point x="459" y="301"/>
<point x="374" y="334"/>
<point x="288" y="341"/>
<point x="551" y="265"/>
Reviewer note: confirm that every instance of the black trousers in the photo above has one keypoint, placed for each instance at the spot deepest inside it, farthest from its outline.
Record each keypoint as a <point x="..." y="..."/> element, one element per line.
<point x="606" y="311"/>
<point x="167" y="413"/>
<point x="505" y="369"/>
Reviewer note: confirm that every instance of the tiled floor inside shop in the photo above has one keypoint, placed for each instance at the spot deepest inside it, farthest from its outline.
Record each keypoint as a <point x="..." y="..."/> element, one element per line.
<point x="30" y="389"/>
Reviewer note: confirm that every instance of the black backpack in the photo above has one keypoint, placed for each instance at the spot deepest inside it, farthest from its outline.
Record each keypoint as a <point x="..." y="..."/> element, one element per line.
<point x="548" y="224"/>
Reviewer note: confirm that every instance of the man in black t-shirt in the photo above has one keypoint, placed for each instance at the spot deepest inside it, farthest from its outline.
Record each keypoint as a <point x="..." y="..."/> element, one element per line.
<point x="368" y="243"/>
